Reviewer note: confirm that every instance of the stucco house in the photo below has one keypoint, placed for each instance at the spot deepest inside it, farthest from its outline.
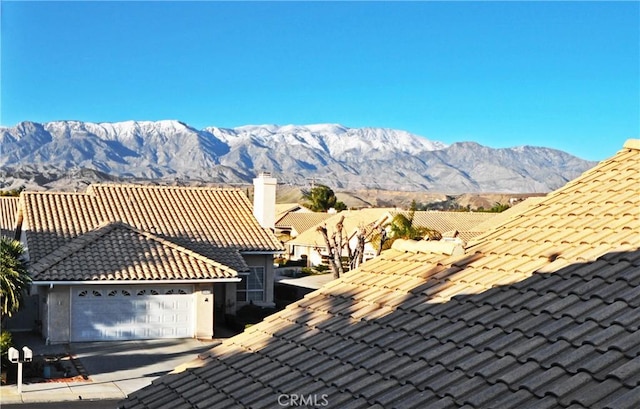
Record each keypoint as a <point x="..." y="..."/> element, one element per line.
<point x="310" y="243"/>
<point x="283" y="209"/>
<point x="136" y="262"/>
<point x="292" y="224"/>
<point x="540" y="312"/>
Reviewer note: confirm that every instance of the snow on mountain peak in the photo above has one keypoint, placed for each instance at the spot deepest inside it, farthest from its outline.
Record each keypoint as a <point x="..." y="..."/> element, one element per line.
<point x="340" y="155"/>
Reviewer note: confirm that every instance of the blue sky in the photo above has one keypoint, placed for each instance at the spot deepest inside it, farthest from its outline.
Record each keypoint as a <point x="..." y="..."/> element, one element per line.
<point x="559" y="74"/>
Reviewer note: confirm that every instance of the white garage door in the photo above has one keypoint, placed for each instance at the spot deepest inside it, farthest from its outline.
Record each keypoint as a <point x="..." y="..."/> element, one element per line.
<point x="131" y="312"/>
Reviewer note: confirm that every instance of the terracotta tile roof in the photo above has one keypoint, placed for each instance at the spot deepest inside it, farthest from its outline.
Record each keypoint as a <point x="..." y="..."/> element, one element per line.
<point x="503" y="217"/>
<point x="117" y="251"/>
<point x="301" y="222"/>
<point x="353" y="220"/>
<point x="54" y="219"/>
<point x="445" y="221"/>
<point x="219" y="217"/>
<point x="8" y="215"/>
<point x="217" y="223"/>
<point x="284" y="208"/>
<point x="462" y="222"/>
<point x="543" y="312"/>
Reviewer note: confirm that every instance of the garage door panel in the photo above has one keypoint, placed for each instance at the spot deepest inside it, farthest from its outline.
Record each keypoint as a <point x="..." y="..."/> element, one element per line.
<point x="132" y="312"/>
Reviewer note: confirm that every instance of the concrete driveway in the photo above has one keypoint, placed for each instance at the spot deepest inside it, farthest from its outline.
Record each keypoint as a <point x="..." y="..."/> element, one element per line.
<point x="114" y="368"/>
<point x="131" y="365"/>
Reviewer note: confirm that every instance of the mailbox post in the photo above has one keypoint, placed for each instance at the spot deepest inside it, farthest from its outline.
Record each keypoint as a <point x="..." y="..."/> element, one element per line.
<point x="14" y="356"/>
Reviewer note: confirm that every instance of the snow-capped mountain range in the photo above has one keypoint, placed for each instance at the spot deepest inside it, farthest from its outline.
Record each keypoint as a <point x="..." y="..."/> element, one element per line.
<point x="335" y="155"/>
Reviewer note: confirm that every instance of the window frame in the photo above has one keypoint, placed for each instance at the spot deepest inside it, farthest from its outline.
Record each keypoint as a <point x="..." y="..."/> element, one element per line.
<point x="242" y="290"/>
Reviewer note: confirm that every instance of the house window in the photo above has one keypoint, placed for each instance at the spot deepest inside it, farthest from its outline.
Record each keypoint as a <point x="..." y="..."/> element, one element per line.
<point x="251" y="288"/>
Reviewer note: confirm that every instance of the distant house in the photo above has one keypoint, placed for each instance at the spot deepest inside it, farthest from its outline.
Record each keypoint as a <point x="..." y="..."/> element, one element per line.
<point x="132" y="262"/>
<point x="292" y="224"/>
<point x="282" y="209"/>
<point x="540" y="312"/>
<point x="461" y="223"/>
<point x="310" y="243"/>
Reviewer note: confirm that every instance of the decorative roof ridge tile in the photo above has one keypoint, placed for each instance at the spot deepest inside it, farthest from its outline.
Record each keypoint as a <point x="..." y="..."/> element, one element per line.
<point x="150" y="186"/>
<point x="632" y="144"/>
<point x="104" y="228"/>
<point x="52" y="193"/>
<point x="450" y="248"/>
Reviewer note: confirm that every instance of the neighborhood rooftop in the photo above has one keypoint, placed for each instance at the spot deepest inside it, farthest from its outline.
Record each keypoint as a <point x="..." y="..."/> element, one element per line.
<point x="302" y="221"/>
<point x="462" y="223"/>
<point x="8" y="214"/>
<point x="121" y="262"/>
<point x="500" y="218"/>
<point x="216" y="223"/>
<point x="85" y="259"/>
<point x="353" y="220"/>
<point x="543" y="311"/>
<point x="283" y="209"/>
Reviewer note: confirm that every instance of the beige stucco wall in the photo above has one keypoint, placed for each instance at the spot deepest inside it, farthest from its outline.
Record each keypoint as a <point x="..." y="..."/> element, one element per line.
<point x="58" y="314"/>
<point x="205" y="304"/>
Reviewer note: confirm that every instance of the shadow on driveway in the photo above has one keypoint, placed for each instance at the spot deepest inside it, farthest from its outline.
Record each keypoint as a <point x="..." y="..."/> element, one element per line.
<point x="117" y="360"/>
<point x="130" y="365"/>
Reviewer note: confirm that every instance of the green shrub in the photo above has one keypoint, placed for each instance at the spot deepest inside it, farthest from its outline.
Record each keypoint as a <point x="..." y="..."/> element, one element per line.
<point x="5" y="343"/>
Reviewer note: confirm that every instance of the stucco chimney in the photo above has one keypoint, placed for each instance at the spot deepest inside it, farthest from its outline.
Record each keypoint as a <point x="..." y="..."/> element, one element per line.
<point x="264" y="200"/>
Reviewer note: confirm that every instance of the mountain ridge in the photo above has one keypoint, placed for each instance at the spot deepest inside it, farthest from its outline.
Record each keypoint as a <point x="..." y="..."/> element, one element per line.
<point x="332" y="154"/>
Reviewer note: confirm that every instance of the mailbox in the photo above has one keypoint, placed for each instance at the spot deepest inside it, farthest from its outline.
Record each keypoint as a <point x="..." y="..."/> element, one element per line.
<point x="14" y="355"/>
<point x="28" y="354"/>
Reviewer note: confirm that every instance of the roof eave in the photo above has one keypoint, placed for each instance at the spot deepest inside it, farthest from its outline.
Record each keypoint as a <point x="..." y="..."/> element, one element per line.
<point x="262" y="252"/>
<point x="121" y="282"/>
